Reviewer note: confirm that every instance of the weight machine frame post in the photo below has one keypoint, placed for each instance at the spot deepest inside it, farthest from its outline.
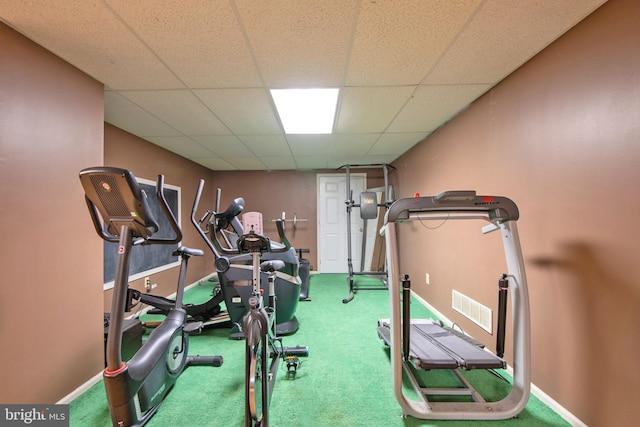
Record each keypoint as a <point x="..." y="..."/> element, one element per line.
<point x="350" y="204"/>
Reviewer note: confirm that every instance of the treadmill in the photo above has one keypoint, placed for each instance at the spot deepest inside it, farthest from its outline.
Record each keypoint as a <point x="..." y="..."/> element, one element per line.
<point x="427" y="345"/>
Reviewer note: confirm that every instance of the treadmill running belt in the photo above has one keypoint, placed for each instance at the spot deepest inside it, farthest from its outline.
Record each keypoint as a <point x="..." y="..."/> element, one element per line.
<point x="433" y="347"/>
<point x="466" y="354"/>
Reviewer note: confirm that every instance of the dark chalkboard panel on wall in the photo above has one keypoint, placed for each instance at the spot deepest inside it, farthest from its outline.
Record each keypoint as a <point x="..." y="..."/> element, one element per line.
<point x="148" y="259"/>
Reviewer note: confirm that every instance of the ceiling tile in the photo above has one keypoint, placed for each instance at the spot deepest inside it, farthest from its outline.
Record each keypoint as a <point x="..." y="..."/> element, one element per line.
<point x="223" y="145"/>
<point x="266" y="145"/>
<point x="309" y="145"/>
<point x="246" y="163"/>
<point x="279" y="162"/>
<point x="201" y="42"/>
<point x="501" y="37"/>
<point x="397" y="42"/>
<point x="312" y="162"/>
<point x="353" y="144"/>
<point x="126" y="115"/>
<point x="299" y="43"/>
<point x="243" y="111"/>
<point x="180" y="109"/>
<point x="215" y="163"/>
<point x="431" y="106"/>
<point x="181" y="145"/>
<point x="194" y="76"/>
<point x="396" y="143"/>
<point x="370" y="109"/>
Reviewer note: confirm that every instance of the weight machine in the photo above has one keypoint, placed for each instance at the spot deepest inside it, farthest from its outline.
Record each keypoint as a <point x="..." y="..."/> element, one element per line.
<point x="368" y="210"/>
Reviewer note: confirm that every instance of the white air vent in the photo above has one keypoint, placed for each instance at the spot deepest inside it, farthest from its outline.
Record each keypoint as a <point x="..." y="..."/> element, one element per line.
<point x="478" y="313"/>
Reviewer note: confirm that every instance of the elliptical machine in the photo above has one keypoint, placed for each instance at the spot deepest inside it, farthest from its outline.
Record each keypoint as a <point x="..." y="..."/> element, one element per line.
<point x="209" y="312"/>
<point x="135" y="389"/>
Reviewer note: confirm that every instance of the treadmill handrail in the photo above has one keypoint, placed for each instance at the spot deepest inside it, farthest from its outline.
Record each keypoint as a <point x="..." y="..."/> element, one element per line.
<point x="498" y="208"/>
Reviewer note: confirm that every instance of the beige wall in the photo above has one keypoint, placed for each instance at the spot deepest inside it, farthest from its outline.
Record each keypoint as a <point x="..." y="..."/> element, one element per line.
<point x="147" y="160"/>
<point x="272" y="193"/>
<point x="561" y="137"/>
<point x="51" y="126"/>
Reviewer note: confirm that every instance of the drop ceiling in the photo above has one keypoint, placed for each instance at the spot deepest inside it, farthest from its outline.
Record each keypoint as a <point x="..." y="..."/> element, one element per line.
<point x="194" y="76"/>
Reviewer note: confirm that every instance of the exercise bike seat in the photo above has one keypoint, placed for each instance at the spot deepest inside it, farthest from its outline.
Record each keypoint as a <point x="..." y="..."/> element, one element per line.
<point x="272" y="265"/>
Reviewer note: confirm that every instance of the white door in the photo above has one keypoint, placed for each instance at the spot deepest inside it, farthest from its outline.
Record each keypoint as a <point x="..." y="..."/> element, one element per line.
<point x="332" y="226"/>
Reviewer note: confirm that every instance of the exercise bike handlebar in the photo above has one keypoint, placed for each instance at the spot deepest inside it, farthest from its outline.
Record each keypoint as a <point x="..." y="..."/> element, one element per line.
<point x="283" y="237"/>
<point x="104" y="176"/>
<point x="167" y="212"/>
<point x="213" y="243"/>
<point x="197" y="223"/>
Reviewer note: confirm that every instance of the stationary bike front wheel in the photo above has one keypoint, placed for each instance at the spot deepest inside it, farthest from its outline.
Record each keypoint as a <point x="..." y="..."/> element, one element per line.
<point x="255" y="378"/>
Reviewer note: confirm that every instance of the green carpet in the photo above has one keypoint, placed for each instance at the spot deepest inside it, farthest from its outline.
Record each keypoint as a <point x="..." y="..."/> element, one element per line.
<point x="346" y="380"/>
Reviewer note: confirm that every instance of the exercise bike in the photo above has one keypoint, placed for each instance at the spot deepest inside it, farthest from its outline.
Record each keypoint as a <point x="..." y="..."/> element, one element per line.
<point x="263" y="348"/>
<point x="135" y="389"/>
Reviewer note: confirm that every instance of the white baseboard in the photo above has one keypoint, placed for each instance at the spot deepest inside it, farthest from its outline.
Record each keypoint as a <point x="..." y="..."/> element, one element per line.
<point x="559" y="409"/>
<point x="80" y="390"/>
<point x="535" y="390"/>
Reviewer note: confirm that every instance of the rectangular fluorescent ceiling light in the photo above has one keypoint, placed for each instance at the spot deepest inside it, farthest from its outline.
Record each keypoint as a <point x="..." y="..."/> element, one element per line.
<point x="306" y="111"/>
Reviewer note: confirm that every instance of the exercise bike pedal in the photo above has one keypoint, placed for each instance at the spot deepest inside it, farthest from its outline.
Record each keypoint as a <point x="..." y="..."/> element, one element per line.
<point x="192" y="327"/>
<point x="292" y="363"/>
